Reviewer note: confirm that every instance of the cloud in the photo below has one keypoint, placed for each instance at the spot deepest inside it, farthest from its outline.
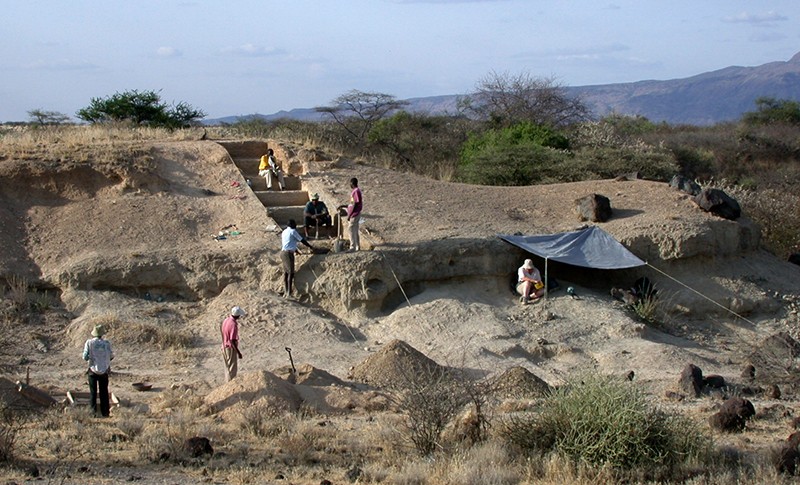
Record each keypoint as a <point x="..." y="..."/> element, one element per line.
<point x="60" y="65"/>
<point x="168" y="52"/>
<point x="250" y="50"/>
<point x="755" y="18"/>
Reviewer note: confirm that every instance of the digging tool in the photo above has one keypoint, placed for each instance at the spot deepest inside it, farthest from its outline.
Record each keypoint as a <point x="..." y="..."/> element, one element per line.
<point x="291" y="361"/>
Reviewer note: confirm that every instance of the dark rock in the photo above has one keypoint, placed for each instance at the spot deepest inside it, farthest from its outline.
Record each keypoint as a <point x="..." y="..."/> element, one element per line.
<point x="733" y="415"/>
<point x="749" y="371"/>
<point x="740" y="407"/>
<point x="593" y="207"/>
<point x="198" y="446"/>
<point x="630" y="375"/>
<point x="718" y="203"/>
<point x="714" y="381"/>
<point x="691" y="380"/>
<point x="326" y="482"/>
<point x="685" y="184"/>
<point x="794" y="258"/>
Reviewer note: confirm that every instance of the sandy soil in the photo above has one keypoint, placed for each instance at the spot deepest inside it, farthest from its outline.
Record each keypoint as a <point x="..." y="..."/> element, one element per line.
<point x="99" y="240"/>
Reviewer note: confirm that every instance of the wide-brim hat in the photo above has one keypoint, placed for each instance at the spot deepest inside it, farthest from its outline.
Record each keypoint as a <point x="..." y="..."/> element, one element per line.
<point x="238" y="311"/>
<point x="528" y="264"/>
<point x="98" y="331"/>
<point x="314" y="196"/>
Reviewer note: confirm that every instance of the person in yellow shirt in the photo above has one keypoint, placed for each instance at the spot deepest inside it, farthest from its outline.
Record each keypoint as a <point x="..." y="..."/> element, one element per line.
<point x="269" y="169"/>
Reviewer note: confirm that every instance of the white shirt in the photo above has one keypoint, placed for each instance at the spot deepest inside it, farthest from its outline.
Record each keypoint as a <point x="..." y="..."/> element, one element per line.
<point x="532" y="274"/>
<point x="289" y="239"/>
<point x="98" y="353"/>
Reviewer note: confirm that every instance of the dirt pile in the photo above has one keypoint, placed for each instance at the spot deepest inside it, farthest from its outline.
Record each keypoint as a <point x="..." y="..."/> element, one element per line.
<point x="249" y="388"/>
<point x="518" y="382"/>
<point x="396" y="365"/>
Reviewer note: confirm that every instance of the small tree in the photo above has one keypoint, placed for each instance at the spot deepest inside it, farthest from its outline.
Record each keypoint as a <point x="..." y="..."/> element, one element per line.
<point x="770" y="110"/>
<point x="358" y="111"/>
<point x="44" y="118"/>
<point x="506" y="99"/>
<point x="140" y="108"/>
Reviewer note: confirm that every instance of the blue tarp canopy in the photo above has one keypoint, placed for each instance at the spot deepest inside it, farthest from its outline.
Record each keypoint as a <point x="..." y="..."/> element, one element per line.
<point x="589" y="248"/>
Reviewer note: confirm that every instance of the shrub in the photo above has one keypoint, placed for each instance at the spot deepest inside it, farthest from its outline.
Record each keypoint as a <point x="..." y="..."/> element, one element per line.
<point x="513" y="165"/>
<point x="605" y="163"/>
<point x="603" y="421"/>
<point x="9" y="427"/>
<point x="430" y="398"/>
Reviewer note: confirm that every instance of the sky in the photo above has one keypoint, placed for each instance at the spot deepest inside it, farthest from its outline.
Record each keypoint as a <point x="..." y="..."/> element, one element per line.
<point x="239" y="57"/>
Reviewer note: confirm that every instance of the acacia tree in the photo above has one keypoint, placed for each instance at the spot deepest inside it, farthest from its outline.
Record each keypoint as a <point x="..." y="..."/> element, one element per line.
<point x="44" y="118"/>
<point x="358" y="111"/>
<point x="506" y="99"/>
<point x="140" y="108"/>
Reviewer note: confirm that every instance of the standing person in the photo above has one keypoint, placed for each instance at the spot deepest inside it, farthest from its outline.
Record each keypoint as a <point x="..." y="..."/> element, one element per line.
<point x="269" y="169"/>
<point x="315" y="214"/>
<point x="289" y="239"/>
<point x="354" y="214"/>
<point x="97" y="351"/>
<point x="529" y="282"/>
<point x="230" y="342"/>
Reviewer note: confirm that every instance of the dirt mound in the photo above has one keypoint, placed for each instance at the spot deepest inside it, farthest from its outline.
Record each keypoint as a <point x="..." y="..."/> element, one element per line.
<point x="309" y="375"/>
<point x="260" y="387"/>
<point x="395" y="365"/>
<point x="518" y="382"/>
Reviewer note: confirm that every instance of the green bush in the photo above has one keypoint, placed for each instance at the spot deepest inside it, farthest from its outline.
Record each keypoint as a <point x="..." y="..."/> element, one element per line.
<point x="513" y="165"/>
<point x="140" y="108"/>
<point x="603" y="421"/>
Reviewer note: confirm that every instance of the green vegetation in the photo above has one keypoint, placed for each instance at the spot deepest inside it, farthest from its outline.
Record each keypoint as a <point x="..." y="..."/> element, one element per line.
<point x="608" y="422"/>
<point x="141" y="109"/>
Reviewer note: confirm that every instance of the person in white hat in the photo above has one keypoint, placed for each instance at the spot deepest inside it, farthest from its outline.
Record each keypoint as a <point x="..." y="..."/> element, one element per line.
<point x="529" y="282"/>
<point x="230" y="342"/>
<point x="315" y="214"/>
<point x="98" y="353"/>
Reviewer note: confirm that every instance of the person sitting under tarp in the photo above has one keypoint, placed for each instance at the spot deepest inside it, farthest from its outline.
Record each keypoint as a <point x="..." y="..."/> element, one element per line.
<point x="529" y="282"/>
<point x="316" y="214"/>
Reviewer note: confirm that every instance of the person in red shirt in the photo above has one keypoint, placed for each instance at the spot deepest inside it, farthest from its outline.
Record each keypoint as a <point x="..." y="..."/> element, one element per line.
<point x="230" y="342"/>
<point x="354" y="214"/>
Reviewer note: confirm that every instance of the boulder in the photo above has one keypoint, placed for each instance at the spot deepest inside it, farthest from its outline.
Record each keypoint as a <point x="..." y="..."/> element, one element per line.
<point x="593" y="207"/>
<point x="733" y="415"/>
<point x="718" y="203"/>
<point x="685" y="184"/>
<point x="714" y="381"/>
<point x="197" y="446"/>
<point x="691" y="380"/>
<point x="794" y="258"/>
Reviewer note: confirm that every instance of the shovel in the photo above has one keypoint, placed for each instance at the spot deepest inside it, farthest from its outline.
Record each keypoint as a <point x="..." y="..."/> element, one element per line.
<point x="293" y="376"/>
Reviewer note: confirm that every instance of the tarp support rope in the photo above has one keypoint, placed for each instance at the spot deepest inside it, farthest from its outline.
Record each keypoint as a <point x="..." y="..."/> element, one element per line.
<point x="701" y="295"/>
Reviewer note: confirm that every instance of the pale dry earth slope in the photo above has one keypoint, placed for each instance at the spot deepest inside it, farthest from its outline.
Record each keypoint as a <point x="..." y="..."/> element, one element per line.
<point x="435" y="274"/>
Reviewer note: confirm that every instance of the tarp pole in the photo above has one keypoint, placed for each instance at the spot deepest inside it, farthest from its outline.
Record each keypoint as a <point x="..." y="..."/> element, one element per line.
<point x="546" y="285"/>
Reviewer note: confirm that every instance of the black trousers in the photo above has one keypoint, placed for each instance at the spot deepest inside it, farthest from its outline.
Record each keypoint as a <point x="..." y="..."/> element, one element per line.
<point x="98" y="383"/>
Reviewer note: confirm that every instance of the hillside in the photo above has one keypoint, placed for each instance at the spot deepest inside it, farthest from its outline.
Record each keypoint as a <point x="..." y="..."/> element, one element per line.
<point x="704" y="99"/>
<point x="132" y="247"/>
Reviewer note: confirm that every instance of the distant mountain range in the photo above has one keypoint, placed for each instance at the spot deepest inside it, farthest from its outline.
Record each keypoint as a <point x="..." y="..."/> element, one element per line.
<point x="705" y="99"/>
